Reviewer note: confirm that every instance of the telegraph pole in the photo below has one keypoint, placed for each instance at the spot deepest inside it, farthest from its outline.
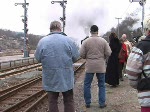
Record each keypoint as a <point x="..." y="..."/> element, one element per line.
<point x="118" y="26"/>
<point x="63" y="5"/>
<point x="24" y="20"/>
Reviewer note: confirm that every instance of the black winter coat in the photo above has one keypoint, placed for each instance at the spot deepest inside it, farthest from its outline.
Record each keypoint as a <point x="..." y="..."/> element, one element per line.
<point x="112" y="70"/>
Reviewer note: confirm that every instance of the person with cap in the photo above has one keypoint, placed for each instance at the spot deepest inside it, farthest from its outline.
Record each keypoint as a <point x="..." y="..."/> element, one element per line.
<point x="138" y="63"/>
<point x="57" y="53"/>
<point x="95" y="50"/>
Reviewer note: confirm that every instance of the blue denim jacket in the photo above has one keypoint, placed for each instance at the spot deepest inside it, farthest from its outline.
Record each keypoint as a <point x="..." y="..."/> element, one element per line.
<point x="57" y="53"/>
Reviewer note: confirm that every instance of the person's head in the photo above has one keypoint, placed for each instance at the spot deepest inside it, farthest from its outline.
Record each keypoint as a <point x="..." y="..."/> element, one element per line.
<point x="55" y="26"/>
<point x="146" y="25"/>
<point x="121" y="40"/>
<point x="94" y="29"/>
<point x="124" y="37"/>
<point x="112" y="35"/>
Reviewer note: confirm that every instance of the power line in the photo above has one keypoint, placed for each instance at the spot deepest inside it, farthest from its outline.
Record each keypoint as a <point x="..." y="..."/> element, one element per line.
<point x="126" y="9"/>
<point x="122" y="15"/>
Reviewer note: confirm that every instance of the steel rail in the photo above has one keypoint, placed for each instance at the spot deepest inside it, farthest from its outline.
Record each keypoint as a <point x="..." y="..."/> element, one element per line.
<point x="18" y="85"/>
<point x="3" y="75"/>
<point x="29" y="109"/>
<point x="78" y="68"/>
<point x="25" y="101"/>
<point x="12" y="92"/>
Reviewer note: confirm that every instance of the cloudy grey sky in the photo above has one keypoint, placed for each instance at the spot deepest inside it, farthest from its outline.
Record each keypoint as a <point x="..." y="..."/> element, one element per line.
<point x="79" y="15"/>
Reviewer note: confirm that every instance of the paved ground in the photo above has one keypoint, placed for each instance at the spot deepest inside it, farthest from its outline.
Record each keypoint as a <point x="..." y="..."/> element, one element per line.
<point x="120" y="99"/>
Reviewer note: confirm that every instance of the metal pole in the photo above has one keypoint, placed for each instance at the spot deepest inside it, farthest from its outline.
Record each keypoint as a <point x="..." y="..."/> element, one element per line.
<point x="143" y="19"/>
<point x="62" y="3"/>
<point x="118" y="26"/>
<point x="142" y="4"/>
<point x="25" y="39"/>
<point x="26" y="53"/>
<point x="64" y="16"/>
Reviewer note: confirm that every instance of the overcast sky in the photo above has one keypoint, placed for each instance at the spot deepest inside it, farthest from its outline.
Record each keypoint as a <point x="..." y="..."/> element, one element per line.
<point x="79" y="15"/>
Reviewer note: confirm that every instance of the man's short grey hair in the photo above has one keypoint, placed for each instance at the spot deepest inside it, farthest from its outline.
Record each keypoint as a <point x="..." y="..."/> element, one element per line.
<point x="124" y="37"/>
<point x="55" y="25"/>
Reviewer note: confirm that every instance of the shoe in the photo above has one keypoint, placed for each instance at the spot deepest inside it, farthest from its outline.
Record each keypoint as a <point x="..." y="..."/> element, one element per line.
<point x="87" y="106"/>
<point x="125" y="75"/>
<point x="103" y="106"/>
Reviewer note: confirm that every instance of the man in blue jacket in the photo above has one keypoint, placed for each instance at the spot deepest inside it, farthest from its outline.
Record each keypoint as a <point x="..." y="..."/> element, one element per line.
<point x="57" y="53"/>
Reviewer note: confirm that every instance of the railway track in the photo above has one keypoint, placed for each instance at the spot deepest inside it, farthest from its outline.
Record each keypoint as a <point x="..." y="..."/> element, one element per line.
<point x="16" y="67"/>
<point x="20" y="67"/>
<point x="25" y="96"/>
<point x="19" y="70"/>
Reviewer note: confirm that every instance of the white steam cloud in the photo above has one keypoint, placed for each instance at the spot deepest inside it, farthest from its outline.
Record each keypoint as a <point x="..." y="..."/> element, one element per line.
<point x="81" y="14"/>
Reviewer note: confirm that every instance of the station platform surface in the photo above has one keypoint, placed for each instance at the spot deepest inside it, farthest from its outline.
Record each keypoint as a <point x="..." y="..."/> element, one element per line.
<point x="122" y="98"/>
<point x="14" y="57"/>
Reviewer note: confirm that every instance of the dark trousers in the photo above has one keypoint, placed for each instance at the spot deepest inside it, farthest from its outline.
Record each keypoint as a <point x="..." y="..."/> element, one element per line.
<point x="121" y="65"/>
<point x="67" y="99"/>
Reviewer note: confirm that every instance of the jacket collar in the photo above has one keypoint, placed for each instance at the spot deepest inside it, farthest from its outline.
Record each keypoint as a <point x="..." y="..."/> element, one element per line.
<point x="94" y="34"/>
<point x="62" y="33"/>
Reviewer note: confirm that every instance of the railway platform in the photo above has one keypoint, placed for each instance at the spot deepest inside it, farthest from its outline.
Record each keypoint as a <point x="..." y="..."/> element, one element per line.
<point x="14" y="57"/>
<point x="7" y="62"/>
<point x="119" y="99"/>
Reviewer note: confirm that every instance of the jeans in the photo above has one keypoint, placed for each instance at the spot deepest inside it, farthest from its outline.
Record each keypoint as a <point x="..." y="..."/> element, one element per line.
<point x="101" y="84"/>
<point x="67" y="100"/>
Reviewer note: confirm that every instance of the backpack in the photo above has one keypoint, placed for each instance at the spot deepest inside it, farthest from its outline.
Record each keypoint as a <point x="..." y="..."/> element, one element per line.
<point x="143" y="83"/>
<point x="123" y="54"/>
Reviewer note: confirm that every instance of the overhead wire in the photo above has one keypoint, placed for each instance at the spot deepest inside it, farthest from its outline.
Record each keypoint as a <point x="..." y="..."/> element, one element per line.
<point x="126" y="9"/>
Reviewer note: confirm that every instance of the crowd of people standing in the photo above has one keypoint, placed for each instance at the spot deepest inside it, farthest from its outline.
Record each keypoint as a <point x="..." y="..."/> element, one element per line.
<point x="57" y="52"/>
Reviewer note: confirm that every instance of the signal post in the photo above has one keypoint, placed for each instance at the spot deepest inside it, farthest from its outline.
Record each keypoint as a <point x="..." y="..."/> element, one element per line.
<point x="24" y="20"/>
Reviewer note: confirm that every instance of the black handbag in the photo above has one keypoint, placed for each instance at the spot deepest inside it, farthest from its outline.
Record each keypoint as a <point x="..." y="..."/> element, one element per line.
<point x="143" y="83"/>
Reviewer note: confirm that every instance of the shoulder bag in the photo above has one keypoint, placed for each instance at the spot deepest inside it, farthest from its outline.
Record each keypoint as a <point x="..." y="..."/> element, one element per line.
<point x="143" y="83"/>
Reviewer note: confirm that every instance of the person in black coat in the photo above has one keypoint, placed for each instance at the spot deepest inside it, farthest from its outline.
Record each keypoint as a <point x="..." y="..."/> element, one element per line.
<point x="112" y="70"/>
